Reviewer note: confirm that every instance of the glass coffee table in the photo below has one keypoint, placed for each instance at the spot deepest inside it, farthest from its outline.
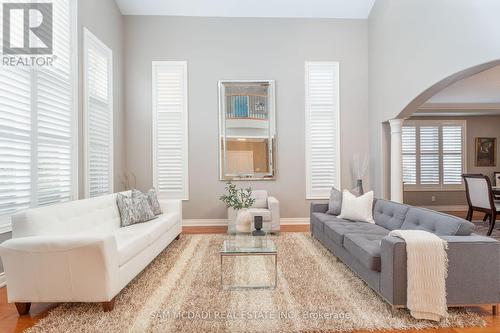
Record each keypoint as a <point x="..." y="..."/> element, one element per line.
<point x="249" y="246"/>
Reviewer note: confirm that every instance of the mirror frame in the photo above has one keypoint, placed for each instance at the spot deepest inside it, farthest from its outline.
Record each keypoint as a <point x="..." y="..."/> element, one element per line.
<point x="272" y="129"/>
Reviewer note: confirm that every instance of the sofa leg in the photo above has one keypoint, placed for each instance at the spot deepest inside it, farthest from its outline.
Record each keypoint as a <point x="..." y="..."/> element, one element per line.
<point x="178" y="237"/>
<point x="394" y="310"/>
<point x="494" y="309"/>
<point x="23" y="308"/>
<point x="108" y="306"/>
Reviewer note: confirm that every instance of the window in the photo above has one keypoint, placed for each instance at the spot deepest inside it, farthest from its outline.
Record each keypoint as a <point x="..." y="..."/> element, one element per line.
<point x="433" y="154"/>
<point x="322" y="128"/>
<point x="98" y="116"/>
<point x="38" y="141"/>
<point x="170" y="129"/>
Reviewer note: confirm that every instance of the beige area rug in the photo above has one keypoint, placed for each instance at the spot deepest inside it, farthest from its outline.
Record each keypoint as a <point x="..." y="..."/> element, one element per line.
<point x="180" y="292"/>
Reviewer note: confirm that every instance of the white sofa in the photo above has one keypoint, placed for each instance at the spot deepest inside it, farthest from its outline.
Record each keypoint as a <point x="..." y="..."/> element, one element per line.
<point x="77" y="251"/>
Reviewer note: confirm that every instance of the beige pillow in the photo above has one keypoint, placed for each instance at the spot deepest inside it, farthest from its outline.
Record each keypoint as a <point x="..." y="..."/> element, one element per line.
<point x="357" y="208"/>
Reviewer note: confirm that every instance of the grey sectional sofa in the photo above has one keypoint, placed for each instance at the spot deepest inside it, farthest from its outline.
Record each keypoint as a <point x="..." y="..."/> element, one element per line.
<point x="380" y="260"/>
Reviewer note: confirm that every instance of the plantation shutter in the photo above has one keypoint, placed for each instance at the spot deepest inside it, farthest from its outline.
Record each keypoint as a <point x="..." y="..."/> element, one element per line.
<point x="16" y="139"/>
<point x="429" y="155"/>
<point x="452" y="154"/>
<point x="170" y="130"/>
<point x="433" y="153"/>
<point x="409" y="150"/>
<point x="322" y="128"/>
<point x="99" y="117"/>
<point x="54" y="102"/>
<point x="37" y="117"/>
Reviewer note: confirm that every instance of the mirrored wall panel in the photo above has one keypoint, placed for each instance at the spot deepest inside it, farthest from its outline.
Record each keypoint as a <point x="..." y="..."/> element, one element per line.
<point x="247" y="130"/>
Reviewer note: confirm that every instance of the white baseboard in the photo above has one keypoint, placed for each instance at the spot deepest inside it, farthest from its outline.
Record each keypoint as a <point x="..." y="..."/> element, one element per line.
<point x="223" y="222"/>
<point x="3" y="280"/>
<point x="451" y="208"/>
<point x="204" y="222"/>
<point x="294" y="220"/>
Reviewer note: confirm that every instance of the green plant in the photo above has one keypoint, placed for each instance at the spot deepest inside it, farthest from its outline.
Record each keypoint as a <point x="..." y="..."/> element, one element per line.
<point x="237" y="198"/>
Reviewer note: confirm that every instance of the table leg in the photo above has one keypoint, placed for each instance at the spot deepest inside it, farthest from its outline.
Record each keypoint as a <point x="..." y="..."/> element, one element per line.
<point x="275" y="271"/>
<point x="221" y="273"/>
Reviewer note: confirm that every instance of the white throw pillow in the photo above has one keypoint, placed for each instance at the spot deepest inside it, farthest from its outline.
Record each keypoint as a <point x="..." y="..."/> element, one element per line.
<point x="357" y="208"/>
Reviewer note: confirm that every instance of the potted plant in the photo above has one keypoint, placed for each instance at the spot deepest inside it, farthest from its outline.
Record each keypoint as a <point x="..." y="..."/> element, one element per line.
<point x="238" y="201"/>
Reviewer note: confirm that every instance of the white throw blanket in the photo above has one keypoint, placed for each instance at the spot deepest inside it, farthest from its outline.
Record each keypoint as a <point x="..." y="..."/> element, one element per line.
<point x="427" y="268"/>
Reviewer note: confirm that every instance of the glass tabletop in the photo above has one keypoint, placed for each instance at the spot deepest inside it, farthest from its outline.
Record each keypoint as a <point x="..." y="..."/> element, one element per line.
<point x="248" y="245"/>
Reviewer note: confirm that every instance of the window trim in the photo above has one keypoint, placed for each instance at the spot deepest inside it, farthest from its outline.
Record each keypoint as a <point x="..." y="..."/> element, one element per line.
<point x="438" y="122"/>
<point x="75" y="158"/>
<point x="337" y="182"/>
<point x="87" y="37"/>
<point x="185" y="135"/>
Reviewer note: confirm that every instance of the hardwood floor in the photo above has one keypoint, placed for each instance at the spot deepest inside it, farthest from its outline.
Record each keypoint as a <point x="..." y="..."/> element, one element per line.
<point x="11" y="322"/>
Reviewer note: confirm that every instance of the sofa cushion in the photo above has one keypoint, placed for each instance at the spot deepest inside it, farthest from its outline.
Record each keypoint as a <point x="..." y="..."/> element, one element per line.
<point x="324" y="217"/>
<point x="365" y="248"/>
<point x="336" y="230"/>
<point x="388" y="214"/>
<point x="265" y="213"/>
<point x="150" y="231"/>
<point x="129" y="244"/>
<point x="435" y="222"/>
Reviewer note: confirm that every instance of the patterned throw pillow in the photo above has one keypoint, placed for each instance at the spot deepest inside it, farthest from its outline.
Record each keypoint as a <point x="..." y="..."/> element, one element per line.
<point x="152" y="200"/>
<point x="134" y="209"/>
<point x="335" y="203"/>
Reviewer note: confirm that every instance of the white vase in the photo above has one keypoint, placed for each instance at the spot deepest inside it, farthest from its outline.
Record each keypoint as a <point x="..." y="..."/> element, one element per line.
<point x="243" y="221"/>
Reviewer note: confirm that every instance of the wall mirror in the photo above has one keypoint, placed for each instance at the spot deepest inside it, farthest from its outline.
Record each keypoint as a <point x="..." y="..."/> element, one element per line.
<point x="247" y="130"/>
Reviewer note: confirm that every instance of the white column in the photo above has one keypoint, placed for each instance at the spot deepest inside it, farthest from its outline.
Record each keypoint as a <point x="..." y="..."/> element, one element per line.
<point x="396" y="160"/>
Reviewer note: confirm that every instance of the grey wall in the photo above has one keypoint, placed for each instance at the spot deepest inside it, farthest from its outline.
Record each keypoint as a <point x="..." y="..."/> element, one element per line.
<point x="414" y="44"/>
<point x="481" y="126"/>
<point x="104" y="20"/>
<point x="243" y="48"/>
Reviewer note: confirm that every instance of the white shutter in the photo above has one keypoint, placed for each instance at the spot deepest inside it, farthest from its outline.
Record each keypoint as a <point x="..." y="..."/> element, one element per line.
<point x="15" y="140"/>
<point x="452" y="154"/>
<point x="429" y="155"/>
<point x="37" y="122"/>
<point x="54" y="102"/>
<point x="409" y="150"/>
<point x="433" y="154"/>
<point x="98" y="115"/>
<point x="170" y="129"/>
<point x="322" y="128"/>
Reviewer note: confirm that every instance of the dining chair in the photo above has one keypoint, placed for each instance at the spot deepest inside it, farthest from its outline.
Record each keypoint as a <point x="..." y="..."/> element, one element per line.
<point x="480" y="198"/>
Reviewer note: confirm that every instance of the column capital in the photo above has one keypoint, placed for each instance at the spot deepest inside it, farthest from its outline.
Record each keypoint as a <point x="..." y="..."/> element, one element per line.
<point x="396" y="125"/>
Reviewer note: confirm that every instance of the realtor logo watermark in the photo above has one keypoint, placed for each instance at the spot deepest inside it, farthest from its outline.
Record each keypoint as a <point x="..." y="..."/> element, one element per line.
<point x="27" y="34"/>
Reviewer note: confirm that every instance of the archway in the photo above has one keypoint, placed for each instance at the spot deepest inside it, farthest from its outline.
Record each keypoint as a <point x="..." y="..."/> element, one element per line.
<point x="393" y="159"/>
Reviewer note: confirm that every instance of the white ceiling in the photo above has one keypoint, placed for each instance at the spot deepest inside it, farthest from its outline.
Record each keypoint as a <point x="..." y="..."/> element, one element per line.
<point x="350" y="9"/>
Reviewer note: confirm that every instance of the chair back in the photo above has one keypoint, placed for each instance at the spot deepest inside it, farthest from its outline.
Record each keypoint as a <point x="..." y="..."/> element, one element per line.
<point x="260" y="197"/>
<point x="478" y="191"/>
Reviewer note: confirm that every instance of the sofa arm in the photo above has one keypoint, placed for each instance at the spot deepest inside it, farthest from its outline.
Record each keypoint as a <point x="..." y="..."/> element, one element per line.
<point x="473" y="270"/>
<point x="317" y="207"/>
<point x="61" y="268"/>
<point x="171" y="205"/>
<point x="274" y="206"/>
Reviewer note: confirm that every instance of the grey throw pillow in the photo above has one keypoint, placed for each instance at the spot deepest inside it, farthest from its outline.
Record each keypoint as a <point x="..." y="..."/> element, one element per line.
<point x="335" y="203"/>
<point x="152" y="200"/>
<point x="134" y="209"/>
